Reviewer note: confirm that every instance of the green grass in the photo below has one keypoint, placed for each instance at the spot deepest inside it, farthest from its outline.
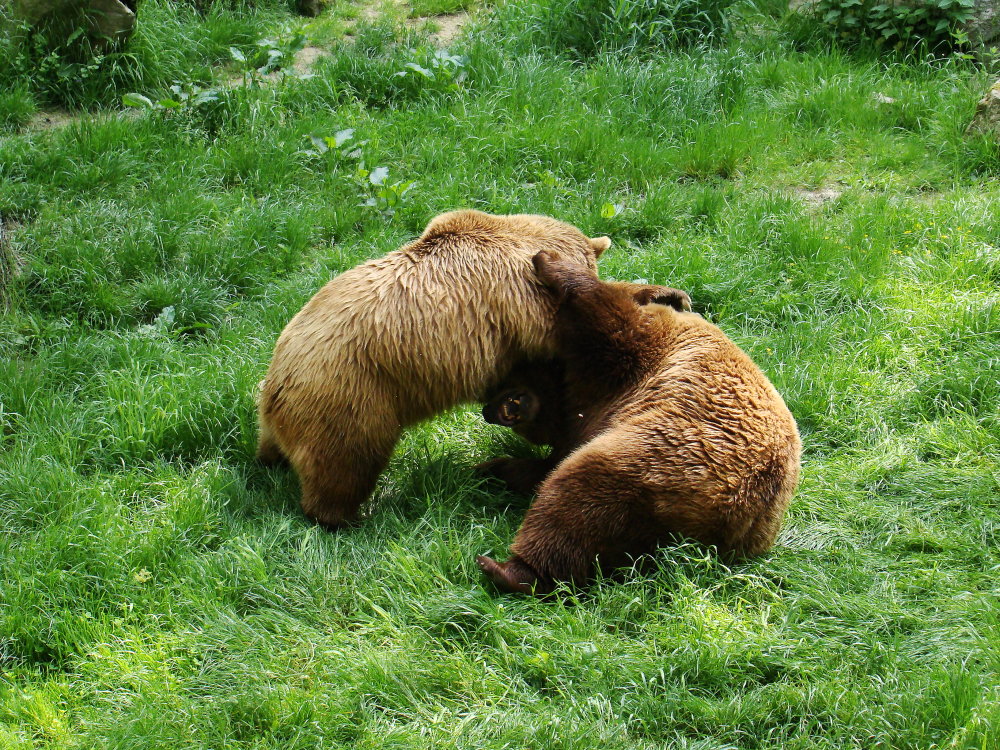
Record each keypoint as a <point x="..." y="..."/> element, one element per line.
<point x="160" y="589"/>
<point x="16" y="108"/>
<point x="583" y="28"/>
<point x="437" y="7"/>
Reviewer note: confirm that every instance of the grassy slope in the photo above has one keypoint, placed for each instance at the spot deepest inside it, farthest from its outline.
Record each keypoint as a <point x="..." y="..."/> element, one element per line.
<point x="159" y="589"/>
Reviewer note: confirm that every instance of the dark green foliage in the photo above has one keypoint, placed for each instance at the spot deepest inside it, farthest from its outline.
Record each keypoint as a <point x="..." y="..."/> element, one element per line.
<point x="908" y="25"/>
<point x="172" y="43"/>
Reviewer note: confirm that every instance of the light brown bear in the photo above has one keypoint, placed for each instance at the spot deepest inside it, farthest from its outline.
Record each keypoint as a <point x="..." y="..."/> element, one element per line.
<point x="676" y="432"/>
<point x="401" y="338"/>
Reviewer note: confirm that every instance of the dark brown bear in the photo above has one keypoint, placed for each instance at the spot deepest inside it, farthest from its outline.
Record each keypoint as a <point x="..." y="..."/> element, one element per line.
<point x="530" y="400"/>
<point x="670" y="429"/>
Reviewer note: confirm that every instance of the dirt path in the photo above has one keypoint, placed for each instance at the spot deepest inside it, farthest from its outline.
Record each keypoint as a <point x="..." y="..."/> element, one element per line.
<point x="449" y="25"/>
<point x="50" y="119"/>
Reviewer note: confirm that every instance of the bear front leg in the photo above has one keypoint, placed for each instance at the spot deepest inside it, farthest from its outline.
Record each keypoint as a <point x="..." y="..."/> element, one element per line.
<point x="520" y="475"/>
<point x="337" y="478"/>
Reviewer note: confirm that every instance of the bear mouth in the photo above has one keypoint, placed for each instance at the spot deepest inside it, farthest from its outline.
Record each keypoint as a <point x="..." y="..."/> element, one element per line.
<point x="509" y="412"/>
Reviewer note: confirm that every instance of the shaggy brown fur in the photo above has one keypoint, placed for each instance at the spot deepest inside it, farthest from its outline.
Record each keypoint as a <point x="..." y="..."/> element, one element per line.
<point x="401" y="338"/>
<point x="677" y="431"/>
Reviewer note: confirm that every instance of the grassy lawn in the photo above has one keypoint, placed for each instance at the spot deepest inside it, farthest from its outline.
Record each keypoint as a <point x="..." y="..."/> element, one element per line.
<point x="160" y="589"/>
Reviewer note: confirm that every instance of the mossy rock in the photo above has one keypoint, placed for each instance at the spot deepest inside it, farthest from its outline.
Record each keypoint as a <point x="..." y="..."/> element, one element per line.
<point x="6" y="265"/>
<point x="106" y="20"/>
<point x="986" y="121"/>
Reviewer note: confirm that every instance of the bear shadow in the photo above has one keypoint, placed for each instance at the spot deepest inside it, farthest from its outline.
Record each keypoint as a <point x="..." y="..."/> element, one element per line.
<point x="412" y="487"/>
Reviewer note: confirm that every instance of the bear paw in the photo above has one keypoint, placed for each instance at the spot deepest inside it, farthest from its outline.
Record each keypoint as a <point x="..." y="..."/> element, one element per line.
<point x="514" y="576"/>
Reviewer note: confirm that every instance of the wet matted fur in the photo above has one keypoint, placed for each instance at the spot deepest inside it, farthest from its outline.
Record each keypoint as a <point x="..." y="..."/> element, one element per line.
<point x="401" y="338"/>
<point x="671" y="429"/>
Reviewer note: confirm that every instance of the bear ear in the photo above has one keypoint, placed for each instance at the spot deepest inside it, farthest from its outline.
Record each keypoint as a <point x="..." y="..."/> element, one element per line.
<point x="675" y="298"/>
<point x="599" y="245"/>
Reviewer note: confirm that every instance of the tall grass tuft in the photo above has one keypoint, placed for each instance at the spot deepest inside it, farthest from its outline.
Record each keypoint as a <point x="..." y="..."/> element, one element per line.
<point x="17" y="105"/>
<point x="584" y="28"/>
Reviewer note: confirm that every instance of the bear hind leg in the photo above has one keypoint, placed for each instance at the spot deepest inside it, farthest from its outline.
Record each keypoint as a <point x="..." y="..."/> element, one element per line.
<point x="587" y="513"/>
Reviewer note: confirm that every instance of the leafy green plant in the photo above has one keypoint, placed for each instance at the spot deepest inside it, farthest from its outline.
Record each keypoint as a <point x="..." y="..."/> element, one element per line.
<point x="58" y="58"/>
<point x="337" y="146"/>
<point x="441" y="68"/>
<point x="897" y="24"/>
<point x="610" y="210"/>
<point x="384" y="65"/>
<point x="272" y="53"/>
<point x="373" y="188"/>
<point x="203" y="109"/>
<point x="185" y="96"/>
<point x="383" y="195"/>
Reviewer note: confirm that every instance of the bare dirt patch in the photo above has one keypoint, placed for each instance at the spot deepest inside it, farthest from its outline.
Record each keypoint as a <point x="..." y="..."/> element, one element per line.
<point x="373" y="11"/>
<point x="818" y="197"/>
<point x="306" y="57"/>
<point x="51" y="119"/>
<point x="449" y="27"/>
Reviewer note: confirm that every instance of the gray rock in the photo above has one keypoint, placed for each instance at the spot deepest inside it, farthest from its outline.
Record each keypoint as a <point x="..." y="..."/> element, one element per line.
<point x="311" y="8"/>
<point x="106" y="19"/>
<point x="112" y="19"/>
<point x="34" y="11"/>
<point x="986" y="121"/>
<point x="984" y="26"/>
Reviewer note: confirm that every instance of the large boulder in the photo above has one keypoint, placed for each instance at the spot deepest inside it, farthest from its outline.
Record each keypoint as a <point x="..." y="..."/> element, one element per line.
<point x="311" y="8"/>
<point x="107" y="20"/>
<point x="984" y="26"/>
